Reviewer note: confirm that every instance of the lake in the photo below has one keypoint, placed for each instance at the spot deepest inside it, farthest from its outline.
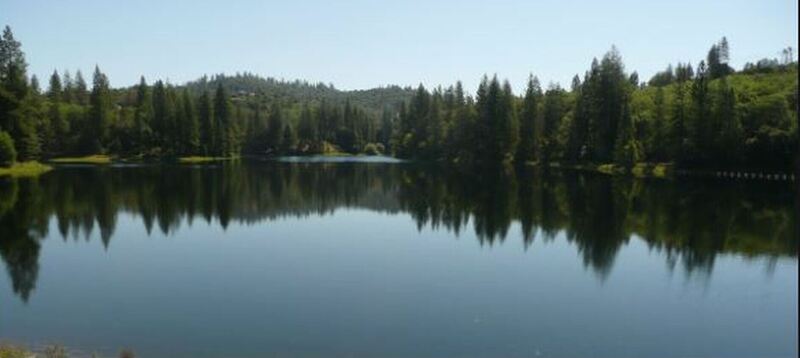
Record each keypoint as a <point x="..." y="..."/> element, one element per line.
<point x="381" y="259"/>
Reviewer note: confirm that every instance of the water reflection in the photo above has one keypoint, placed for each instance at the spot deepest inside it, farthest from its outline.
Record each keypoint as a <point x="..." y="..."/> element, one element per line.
<point x="688" y="221"/>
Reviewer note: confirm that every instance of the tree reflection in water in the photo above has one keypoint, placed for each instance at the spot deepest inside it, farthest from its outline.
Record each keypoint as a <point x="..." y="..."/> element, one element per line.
<point x="689" y="221"/>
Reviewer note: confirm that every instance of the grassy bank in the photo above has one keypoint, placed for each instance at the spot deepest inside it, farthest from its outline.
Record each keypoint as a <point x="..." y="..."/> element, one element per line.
<point x="200" y="159"/>
<point x="25" y="169"/>
<point x="668" y="170"/>
<point x="640" y="170"/>
<point x="97" y="159"/>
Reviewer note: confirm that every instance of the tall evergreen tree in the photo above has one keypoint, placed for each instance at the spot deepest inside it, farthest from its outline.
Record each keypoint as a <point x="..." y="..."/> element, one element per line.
<point x="701" y="129"/>
<point x="81" y="90"/>
<point x="552" y="112"/>
<point x="68" y="93"/>
<point x="189" y="125"/>
<point x="306" y="128"/>
<point x="608" y="105"/>
<point x="53" y="138"/>
<point x="206" y="118"/>
<point x="527" y="121"/>
<point x="577" y="147"/>
<point x="627" y="149"/>
<point x="162" y="113"/>
<point x="143" y="116"/>
<point x="55" y="88"/>
<point x="100" y="112"/>
<point x="222" y="117"/>
<point x="387" y="126"/>
<point x="275" y="128"/>
<point x="658" y="143"/>
<point x="36" y="90"/>
<point x="727" y="125"/>
<point x="289" y="140"/>
<point x="17" y="116"/>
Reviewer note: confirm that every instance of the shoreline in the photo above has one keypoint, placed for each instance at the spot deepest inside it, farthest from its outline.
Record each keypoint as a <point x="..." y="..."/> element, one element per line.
<point x="670" y="171"/>
<point x="638" y="170"/>
<point x="25" y="170"/>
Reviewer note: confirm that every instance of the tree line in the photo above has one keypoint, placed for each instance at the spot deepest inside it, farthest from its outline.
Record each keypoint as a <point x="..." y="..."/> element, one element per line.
<point x="708" y="116"/>
<point x="703" y="117"/>
<point x="164" y="120"/>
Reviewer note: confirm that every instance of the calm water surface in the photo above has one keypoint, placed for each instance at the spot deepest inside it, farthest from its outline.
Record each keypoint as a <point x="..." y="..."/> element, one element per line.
<point x="349" y="259"/>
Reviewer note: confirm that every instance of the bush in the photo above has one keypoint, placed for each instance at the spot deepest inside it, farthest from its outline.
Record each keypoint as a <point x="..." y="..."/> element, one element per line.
<point x="373" y="149"/>
<point x="8" y="155"/>
<point x="7" y="351"/>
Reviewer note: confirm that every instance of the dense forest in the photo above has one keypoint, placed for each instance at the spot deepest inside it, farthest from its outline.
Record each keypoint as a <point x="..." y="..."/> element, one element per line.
<point x="706" y="116"/>
<point x="599" y="214"/>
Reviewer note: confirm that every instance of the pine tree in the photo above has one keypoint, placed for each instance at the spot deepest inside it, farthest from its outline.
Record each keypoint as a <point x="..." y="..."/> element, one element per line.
<point x="508" y="124"/>
<point x="387" y="125"/>
<point x="553" y="111"/>
<point x="608" y="96"/>
<point x="143" y="116"/>
<point x="717" y="59"/>
<point x="35" y="88"/>
<point x="289" y="140"/>
<point x="577" y="141"/>
<point x="162" y="112"/>
<point x="275" y="128"/>
<point x="81" y="91"/>
<point x="189" y="125"/>
<point x="55" y="89"/>
<point x="701" y="129"/>
<point x="206" y="119"/>
<point x="99" y="112"/>
<point x="527" y="121"/>
<point x="726" y="148"/>
<point x="677" y="130"/>
<point x="12" y="59"/>
<point x="627" y="149"/>
<point x="435" y="128"/>
<point x="306" y="128"/>
<point x="17" y="115"/>
<point x="222" y="125"/>
<point x="54" y="137"/>
<point x="68" y="93"/>
<point x="658" y="143"/>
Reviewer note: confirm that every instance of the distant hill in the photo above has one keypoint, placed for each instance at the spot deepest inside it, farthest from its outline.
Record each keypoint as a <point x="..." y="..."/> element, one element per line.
<point x="270" y="89"/>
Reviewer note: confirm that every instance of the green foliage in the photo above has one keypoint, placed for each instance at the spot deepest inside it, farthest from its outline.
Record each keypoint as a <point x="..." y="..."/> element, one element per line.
<point x="8" y="351"/>
<point x="710" y="118"/>
<point x="8" y="155"/>
<point x="553" y="113"/>
<point x="25" y="169"/>
<point x="374" y="149"/>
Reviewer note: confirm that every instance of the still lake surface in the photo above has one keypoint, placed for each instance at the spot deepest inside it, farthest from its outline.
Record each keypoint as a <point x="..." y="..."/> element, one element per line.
<point x="379" y="259"/>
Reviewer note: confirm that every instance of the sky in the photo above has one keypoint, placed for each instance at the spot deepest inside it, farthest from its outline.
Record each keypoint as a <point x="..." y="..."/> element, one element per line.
<point x="365" y="44"/>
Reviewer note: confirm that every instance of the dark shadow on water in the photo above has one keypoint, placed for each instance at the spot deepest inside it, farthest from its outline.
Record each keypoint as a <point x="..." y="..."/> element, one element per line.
<point x="689" y="222"/>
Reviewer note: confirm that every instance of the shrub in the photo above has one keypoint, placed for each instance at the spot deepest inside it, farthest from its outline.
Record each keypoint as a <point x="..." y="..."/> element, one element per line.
<point x="373" y="149"/>
<point x="8" y="351"/>
<point x="8" y="155"/>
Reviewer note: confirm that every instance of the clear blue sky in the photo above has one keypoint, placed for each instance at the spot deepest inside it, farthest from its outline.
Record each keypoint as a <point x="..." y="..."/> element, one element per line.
<point x="363" y="44"/>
